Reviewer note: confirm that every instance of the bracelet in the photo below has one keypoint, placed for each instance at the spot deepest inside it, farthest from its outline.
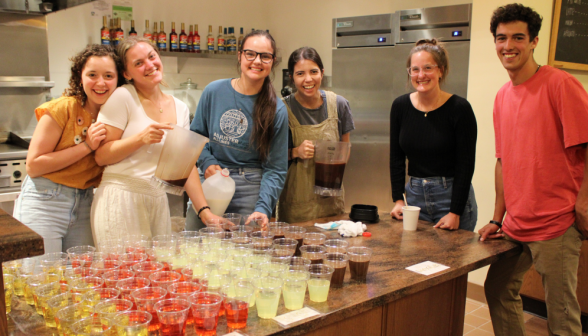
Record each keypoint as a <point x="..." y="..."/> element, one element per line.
<point x="90" y="148"/>
<point x="496" y="223"/>
<point x="202" y="209"/>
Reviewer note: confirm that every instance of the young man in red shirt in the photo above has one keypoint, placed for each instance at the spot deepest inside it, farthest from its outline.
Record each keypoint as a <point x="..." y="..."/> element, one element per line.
<point x="541" y="131"/>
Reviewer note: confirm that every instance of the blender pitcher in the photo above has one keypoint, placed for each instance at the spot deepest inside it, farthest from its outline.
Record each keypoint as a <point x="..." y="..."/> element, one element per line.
<point x="180" y="152"/>
<point x="330" y="158"/>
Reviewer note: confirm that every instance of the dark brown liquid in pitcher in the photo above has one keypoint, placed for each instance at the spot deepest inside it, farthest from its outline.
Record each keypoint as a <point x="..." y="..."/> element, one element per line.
<point x="329" y="175"/>
<point x="179" y="183"/>
<point x="358" y="269"/>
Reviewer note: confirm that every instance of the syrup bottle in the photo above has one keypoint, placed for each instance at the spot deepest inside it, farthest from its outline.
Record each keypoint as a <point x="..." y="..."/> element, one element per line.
<point x="155" y="35"/>
<point x="173" y="39"/>
<point x="191" y="40"/>
<point x="232" y="41"/>
<point x="162" y="39"/>
<point x="104" y="32"/>
<point x="240" y="40"/>
<point x="112" y="32"/>
<point x="120" y="34"/>
<point x="196" y="41"/>
<point x="132" y="32"/>
<point x="210" y="41"/>
<point x="147" y="32"/>
<point x="183" y="39"/>
<point x="220" y="45"/>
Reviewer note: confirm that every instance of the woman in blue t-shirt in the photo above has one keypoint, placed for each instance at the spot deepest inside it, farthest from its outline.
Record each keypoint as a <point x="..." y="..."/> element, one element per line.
<point x="248" y="130"/>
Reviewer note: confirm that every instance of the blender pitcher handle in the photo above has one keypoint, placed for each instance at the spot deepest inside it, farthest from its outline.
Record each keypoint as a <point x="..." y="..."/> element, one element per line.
<point x="150" y="149"/>
<point x="306" y="160"/>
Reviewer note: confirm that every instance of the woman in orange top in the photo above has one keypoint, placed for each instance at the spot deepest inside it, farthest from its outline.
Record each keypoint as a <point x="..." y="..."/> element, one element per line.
<point x="57" y="194"/>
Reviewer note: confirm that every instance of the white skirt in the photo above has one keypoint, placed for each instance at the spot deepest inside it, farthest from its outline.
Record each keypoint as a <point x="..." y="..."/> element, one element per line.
<point x="125" y="205"/>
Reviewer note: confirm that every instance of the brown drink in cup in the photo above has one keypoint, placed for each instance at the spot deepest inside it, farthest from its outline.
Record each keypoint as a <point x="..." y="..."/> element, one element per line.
<point x="359" y="261"/>
<point x="314" y="253"/>
<point x="279" y="229"/>
<point x="339" y="262"/>
<point x="296" y="232"/>
<point x="314" y="238"/>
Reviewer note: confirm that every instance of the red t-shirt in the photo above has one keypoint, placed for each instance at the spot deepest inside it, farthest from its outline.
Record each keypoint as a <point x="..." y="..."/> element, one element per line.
<point x="539" y="126"/>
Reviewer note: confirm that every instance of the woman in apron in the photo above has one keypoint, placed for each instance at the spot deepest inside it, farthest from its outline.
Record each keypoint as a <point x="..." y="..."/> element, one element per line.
<point x="313" y="114"/>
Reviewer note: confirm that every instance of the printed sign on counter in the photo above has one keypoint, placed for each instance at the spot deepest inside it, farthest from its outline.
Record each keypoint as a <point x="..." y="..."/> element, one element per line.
<point x="295" y="316"/>
<point x="427" y="268"/>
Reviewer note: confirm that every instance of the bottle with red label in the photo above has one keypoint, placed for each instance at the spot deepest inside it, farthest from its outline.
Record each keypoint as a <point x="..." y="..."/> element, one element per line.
<point x="104" y="32"/>
<point x="173" y="39"/>
<point x="120" y="34"/>
<point x="220" y="45"/>
<point x="132" y="32"/>
<point x="191" y="40"/>
<point x="155" y="35"/>
<point x="210" y="41"/>
<point x="162" y="39"/>
<point x="112" y="30"/>
<point x="196" y="41"/>
<point x="183" y="39"/>
<point x="147" y="32"/>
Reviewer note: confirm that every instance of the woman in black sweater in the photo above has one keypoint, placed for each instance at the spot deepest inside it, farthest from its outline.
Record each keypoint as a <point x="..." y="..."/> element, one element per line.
<point x="436" y="131"/>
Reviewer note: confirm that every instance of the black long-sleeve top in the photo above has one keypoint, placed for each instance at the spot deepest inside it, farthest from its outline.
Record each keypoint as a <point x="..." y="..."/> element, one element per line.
<point x="441" y="144"/>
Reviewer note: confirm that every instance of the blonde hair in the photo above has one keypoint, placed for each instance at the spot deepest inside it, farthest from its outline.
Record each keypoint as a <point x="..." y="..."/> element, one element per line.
<point x="128" y="43"/>
<point x="437" y="51"/>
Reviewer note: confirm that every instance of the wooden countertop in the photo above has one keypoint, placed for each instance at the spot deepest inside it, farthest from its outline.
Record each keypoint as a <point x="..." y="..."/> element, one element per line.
<point x="17" y="240"/>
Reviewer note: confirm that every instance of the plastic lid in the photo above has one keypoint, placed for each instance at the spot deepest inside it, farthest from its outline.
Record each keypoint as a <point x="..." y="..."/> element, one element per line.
<point x="367" y="234"/>
<point x="188" y="84"/>
<point x="225" y="172"/>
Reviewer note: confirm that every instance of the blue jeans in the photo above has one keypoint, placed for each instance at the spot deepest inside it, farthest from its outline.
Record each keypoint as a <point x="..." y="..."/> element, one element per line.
<point x="247" y="185"/>
<point x="59" y="214"/>
<point x="433" y="196"/>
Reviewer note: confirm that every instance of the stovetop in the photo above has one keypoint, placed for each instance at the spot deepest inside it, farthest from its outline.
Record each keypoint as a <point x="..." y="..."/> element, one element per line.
<point x="12" y="152"/>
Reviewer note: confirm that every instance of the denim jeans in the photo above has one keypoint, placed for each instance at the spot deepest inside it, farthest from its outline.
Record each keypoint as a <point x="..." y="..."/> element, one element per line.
<point x="247" y="185"/>
<point x="433" y="196"/>
<point x="59" y="214"/>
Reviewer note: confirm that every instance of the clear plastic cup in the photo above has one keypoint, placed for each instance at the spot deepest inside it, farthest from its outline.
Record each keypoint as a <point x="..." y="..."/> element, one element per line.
<point x="136" y="243"/>
<point x="65" y="317"/>
<point x="359" y="261"/>
<point x="164" y="279"/>
<point x="299" y="264"/>
<point x="281" y="255"/>
<point x="296" y="232"/>
<point x="319" y="282"/>
<point x="237" y="306"/>
<point x="55" y="304"/>
<point x="245" y="229"/>
<point x="44" y="293"/>
<point x="294" y="288"/>
<point x="205" y="311"/>
<point x="126" y="286"/>
<point x="287" y="244"/>
<point x="95" y="296"/>
<point x="8" y="290"/>
<point x="273" y="269"/>
<point x="336" y="245"/>
<point x="86" y="310"/>
<point x="278" y="229"/>
<point x="145" y="269"/>
<point x="314" y="253"/>
<point x="100" y="267"/>
<point x="182" y="290"/>
<point x="92" y="326"/>
<point x="232" y="218"/>
<point x="112" y="277"/>
<point x="55" y="262"/>
<point x="339" y="263"/>
<point x="262" y="240"/>
<point x="24" y="269"/>
<point x="172" y="315"/>
<point x="267" y="296"/>
<point x="35" y="281"/>
<point x="25" y="272"/>
<point x="314" y="238"/>
<point x="132" y="323"/>
<point x="109" y="309"/>
<point x="127" y="260"/>
<point x="80" y="255"/>
<point x="145" y="300"/>
<point x="80" y="286"/>
<point x="10" y="267"/>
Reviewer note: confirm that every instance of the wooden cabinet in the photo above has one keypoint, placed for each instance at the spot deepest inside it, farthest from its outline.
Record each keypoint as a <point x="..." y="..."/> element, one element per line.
<point x="533" y="288"/>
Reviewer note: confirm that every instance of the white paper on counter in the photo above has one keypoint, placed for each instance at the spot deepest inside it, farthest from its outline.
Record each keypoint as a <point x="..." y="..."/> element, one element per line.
<point x="427" y="268"/>
<point x="295" y="316"/>
<point x="235" y="333"/>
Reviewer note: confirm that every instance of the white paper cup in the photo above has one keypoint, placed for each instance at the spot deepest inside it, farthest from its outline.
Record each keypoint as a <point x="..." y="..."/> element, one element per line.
<point x="410" y="215"/>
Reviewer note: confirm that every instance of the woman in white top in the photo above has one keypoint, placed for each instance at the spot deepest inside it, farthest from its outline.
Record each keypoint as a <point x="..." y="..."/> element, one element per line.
<point x="136" y="116"/>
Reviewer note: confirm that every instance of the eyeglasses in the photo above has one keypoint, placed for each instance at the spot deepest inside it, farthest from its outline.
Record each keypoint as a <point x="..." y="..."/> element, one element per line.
<point x="251" y="55"/>
<point x="427" y="70"/>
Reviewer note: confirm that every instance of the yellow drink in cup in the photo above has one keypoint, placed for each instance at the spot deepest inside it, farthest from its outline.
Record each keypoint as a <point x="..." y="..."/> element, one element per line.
<point x="319" y="282"/>
<point x="267" y="297"/>
<point x="55" y="304"/>
<point x="44" y="293"/>
<point x="8" y="290"/>
<point x="132" y="323"/>
<point x="65" y="317"/>
<point x="294" y="288"/>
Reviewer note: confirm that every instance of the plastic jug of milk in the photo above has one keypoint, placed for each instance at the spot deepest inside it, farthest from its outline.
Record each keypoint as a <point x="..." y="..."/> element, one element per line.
<point x="218" y="191"/>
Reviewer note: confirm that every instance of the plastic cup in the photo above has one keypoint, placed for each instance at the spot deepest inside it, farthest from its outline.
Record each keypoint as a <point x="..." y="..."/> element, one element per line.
<point x="145" y="300"/>
<point x="314" y="238"/>
<point x="172" y="315"/>
<point x="100" y="267"/>
<point x="245" y="229"/>
<point x="164" y="279"/>
<point x="126" y="286"/>
<point x="237" y="306"/>
<point x="281" y="256"/>
<point x="410" y="217"/>
<point x="55" y="262"/>
<point x="92" y="326"/>
<point x="205" y="310"/>
<point x="65" y="317"/>
<point x="285" y="244"/>
<point x="294" y="288"/>
<point x="279" y="229"/>
<point x="233" y="218"/>
<point x="44" y="293"/>
<point x="80" y="255"/>
<point x="95" y="296"/>
<point x="314" y="253"/>
<point x="262" y="240"/>
<point x="145" y="269"/>
<point x="8" y="290"/>
<point x="127" y="260"/>
<point x="35" y="281"/>
<point x="273" y="269"/>
<point x="296" y="232"/>
<point x="80" y="286"/>
<point x="109" y="309"/>
<point x="55" y="304"/>
<point x="267" y="296"/>
<point x="182" y="290"/>
<point x="136" y="243"/>
<point x="132" y="323"/>
<point x="10" y="267"/>
<point x="319" y="282"/>
<point x="112" y="277"/>
<point x="339" y="262"/>
<point x="24" y="269"/>
<point x="25" y="272"/>
<point x="336" y="245"/>
<point x="299" y="264"/>
<point x="359" y="261"/>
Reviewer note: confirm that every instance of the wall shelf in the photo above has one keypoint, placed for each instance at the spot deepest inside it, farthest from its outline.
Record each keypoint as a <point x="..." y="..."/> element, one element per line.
<point x="184" y="56"/>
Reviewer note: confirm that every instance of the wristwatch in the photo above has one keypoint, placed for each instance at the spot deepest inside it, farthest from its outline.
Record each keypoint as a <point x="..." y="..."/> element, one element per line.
<point x="496" y="223"/>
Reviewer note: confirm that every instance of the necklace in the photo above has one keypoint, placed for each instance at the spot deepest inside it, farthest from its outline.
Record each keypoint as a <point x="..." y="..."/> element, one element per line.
<point x="235" y="96"/>
<point x="434" y="106"/>
<point x="152" y="102"/>
<point x="538" y="66"/>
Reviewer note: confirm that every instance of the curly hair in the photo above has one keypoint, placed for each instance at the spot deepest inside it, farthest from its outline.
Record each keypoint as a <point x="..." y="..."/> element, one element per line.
<point x="79" y="62"/>
<point x="437" y="51"/>
<point x="516" y="12"/>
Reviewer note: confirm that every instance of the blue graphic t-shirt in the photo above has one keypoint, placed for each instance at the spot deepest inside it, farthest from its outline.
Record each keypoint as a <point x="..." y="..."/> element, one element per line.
<point x="225" y="117"/>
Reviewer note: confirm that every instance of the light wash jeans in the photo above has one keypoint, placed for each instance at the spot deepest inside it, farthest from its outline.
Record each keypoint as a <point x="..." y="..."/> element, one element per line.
<point x="247" y="185"/>
<point x="433" y="196"/>
<point x="59" y="214"/>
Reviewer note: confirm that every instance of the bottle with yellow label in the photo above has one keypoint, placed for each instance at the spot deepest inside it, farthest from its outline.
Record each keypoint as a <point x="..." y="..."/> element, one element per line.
<point x="104" y="32"/>
<point x="210" y="40"/>
<point x="220" y="45"/>
<point x="162" y="39"/>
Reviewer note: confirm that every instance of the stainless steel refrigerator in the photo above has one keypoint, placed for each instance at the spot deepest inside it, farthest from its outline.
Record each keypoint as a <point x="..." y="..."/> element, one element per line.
<point x="369" y="70"/>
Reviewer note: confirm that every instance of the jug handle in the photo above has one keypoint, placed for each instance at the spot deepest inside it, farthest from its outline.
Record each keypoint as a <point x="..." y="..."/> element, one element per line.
<point x="150" y="149"/>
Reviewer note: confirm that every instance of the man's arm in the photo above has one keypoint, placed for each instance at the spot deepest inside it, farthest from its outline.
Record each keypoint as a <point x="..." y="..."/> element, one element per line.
<point x="491" y="230"/>
<point x="582" y="201"/>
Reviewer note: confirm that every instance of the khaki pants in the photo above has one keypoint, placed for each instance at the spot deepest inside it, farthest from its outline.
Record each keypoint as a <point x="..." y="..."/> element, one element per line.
<point x="556" y="260"/>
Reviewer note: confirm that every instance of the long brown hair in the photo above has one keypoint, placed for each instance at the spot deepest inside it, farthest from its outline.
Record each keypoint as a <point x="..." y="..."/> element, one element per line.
<point x="127" y="44"/>
<point x="264" y="110"/>
<point x="79" y="61"/>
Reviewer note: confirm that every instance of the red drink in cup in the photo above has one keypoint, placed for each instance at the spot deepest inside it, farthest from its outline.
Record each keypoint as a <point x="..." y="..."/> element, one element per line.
<point x="172" y="316"/>
<point x="146" y="268"/>
<point x="145" y="300"/>
<point x="126" y="286"/>
<point x="205" y="307"/>
<point x="112" y="277"/>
